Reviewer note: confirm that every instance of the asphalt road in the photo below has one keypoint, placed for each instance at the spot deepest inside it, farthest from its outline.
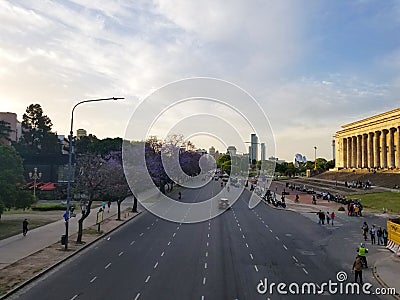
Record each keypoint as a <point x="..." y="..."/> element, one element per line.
<point x="222" y="258"/>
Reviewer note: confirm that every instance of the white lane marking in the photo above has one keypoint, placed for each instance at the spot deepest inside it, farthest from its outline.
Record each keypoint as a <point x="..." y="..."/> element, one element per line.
<point x="270" y="230"/>
<point x="137" y="296"/>
<point x="284" y="246"/>
<point x="266" y="225"/>
<point x="74" y="297"/>
<point x="205" y="265"/>
<point x="251" y="256"/>
<point x="147" y="279"/>
<point x="174" y="234"/>
<point x="157" y="220"/>
<point x="141" y="234"/>
<point x="240" y="229"/>
<point x="238" y="224"/>
<point x="243" y="236"/>
<point x="162" y="254"/>
<point x="152" y="224"/>
<point x="169" y="243"/>
<point x="247" y="245"/>
<point x="208" y="235"/>
<point x="106" y="267"/>
<point x="277" y="238"/>
<point x="207" y="244"/>
<point x="262" y="221"/>
<point x="120" y="253"/>
<point x="132" y="243"/>
<point x="295" y="259"/>
<point x="255" y="267"/>
<point x="108" y="238"/>
<point x="155" y="266"/>
<point x="202" y="297"/>
<point x="305" y="271"/>
<point x="93" y="279"/>
<point x="206" y="253"/>
<point x="177" y="228"/>
<point x="204" y="280"/>
<point x="148" y="228"/>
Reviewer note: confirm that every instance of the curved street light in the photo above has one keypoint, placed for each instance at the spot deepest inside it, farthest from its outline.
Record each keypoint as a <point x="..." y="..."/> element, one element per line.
<point x="70" y="163"/>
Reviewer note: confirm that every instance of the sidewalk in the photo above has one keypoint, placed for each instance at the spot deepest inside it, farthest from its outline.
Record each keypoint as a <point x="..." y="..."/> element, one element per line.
<point x="18" y="247"/>
<point x="386" y="268"/>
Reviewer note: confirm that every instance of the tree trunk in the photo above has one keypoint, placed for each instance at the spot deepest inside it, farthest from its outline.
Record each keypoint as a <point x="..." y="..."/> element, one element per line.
<point x="134" y="207"/>
<point x="119" y="209"/>
<point x="80" y="222"/>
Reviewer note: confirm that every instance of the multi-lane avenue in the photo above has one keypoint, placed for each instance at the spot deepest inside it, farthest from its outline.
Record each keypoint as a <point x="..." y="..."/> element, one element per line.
<point x="222" y="258"/>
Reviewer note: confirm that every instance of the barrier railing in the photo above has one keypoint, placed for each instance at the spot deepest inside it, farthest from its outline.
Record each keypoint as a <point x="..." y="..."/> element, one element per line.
<point x="393" y="227"/>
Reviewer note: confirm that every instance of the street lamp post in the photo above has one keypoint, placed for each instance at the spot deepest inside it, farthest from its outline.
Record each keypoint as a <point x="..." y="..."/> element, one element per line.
<point x="315" y="157"/>
<point x="35" y="176"/>
<point x="70" y="163"/>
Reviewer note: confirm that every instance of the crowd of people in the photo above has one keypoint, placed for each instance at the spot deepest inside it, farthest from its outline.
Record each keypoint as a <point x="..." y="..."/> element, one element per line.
<point x="354" y="208"/>
<point x="358" y="184"/>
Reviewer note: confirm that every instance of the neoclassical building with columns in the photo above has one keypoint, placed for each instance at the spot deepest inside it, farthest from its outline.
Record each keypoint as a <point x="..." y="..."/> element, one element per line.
<point x="373" y="142"/>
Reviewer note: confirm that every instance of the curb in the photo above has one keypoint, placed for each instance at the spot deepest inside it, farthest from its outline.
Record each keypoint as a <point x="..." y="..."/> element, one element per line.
<point x="41" y="273"/>
<point x="381" y="282"/>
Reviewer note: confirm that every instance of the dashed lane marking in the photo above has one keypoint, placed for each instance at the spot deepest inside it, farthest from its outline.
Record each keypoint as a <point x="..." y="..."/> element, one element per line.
<point x="251" y="256"/>
<point x="174" y="234"/>
<point x="207" y="244"/>
<point x="295" y="259"/>
<point x="255" y="267"/>
<point x="162" y="254"/>
<point x="93" y="279"/>
<point x="141" y="234"/>
<point x="137" y="296"/>
<point x="243" y="236"/>
<point x="206" y="253"/>
<point x="147" y="279"/>
<point x="205" y="265"/>
<point x="148" y="228"/>
<point x="270" y="230"/>
<point x="132" y="243"/>
<point x="277" y="238"/>
<point x="74" y="297"/>
<point x="247" y="245"/>
<point x="169" y="243"/>
<point x="108" y="265"/>
<point x="120" y="253"/>
<point x="284" y="246"/>
<point x="204" y="280"/>
<point x="305" y="271"/>
<point x="155" y="266"/>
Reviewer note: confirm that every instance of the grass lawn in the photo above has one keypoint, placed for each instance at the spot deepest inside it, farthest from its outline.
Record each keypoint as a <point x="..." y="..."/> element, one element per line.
<point x="12" y="227"/>
<point x="389" y="201"/>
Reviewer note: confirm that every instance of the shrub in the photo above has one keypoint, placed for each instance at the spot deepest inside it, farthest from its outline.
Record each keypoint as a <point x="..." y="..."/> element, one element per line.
<point x="48" y="206"/>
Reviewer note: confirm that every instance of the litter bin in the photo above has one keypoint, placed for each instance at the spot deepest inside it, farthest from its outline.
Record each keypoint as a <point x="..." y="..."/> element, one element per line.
<point x="63" y="239"/>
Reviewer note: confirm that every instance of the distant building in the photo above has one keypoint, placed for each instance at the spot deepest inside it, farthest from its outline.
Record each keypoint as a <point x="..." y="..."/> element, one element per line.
<point x="15" y="126"/>
<point x="262" y="151"/>
<point x="277" y="160"/>
<point x="253" y="147"/>
<point x="80" y="133"/>
<point x="201" y="151"/>
<point x="211" y="151"/>
<point x="231" y="150"/>
<point x="64" y="144"/>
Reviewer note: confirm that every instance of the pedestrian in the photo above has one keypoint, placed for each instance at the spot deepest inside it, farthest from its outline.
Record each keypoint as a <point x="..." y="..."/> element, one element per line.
<point x="322" y="218"/>
<point x="385" y="236"/>
<point x="365" y="230"/>
<point x="372" y="233"/>
<point x="25" y="224"/>
<point x="357" y="269"/>
<point x="179" y="195"/>
<point x="332" y="217"/>
<point x="328" y="217"/>
<point x="319" y="217"/>
<point x="103" y="205"/>
<point x="109" y="205"/>
<point x="379" y="234"/>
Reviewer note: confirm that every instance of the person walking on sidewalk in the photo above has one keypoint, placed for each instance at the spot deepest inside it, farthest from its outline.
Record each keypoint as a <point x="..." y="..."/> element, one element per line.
<point x="328" y="217"/>
<point x="332" y="217"/>
<point x="357" y="269"/>
<point x="25" y="224"/>
<point x="385" y="236"/>
<point x="379" y="234"/>
<point x="372" y="233"/>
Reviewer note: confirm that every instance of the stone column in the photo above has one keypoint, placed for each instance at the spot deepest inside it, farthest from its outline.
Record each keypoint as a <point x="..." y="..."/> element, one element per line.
<point x="359" y="151"/>
<point x="384" y="149"/>
<point x="354" y="152"/>
<point x="344" y="149"/>
<point x="370" y="150"/>
<point x="398" y="147"/>
<point x="365" y="150"/>
<point x="349" y="148"/>
<point x="391" y="148"/>
<point x="377" y="156"/>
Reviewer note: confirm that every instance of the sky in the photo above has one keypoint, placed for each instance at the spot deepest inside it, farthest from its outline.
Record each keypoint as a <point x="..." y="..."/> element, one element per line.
<point x="311" y="65"/>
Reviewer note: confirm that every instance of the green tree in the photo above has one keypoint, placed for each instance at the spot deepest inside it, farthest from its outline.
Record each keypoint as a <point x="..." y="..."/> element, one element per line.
<point x="11" y="180"/>
<point x="222" y="159"/>
<point x="36" y="134"/>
